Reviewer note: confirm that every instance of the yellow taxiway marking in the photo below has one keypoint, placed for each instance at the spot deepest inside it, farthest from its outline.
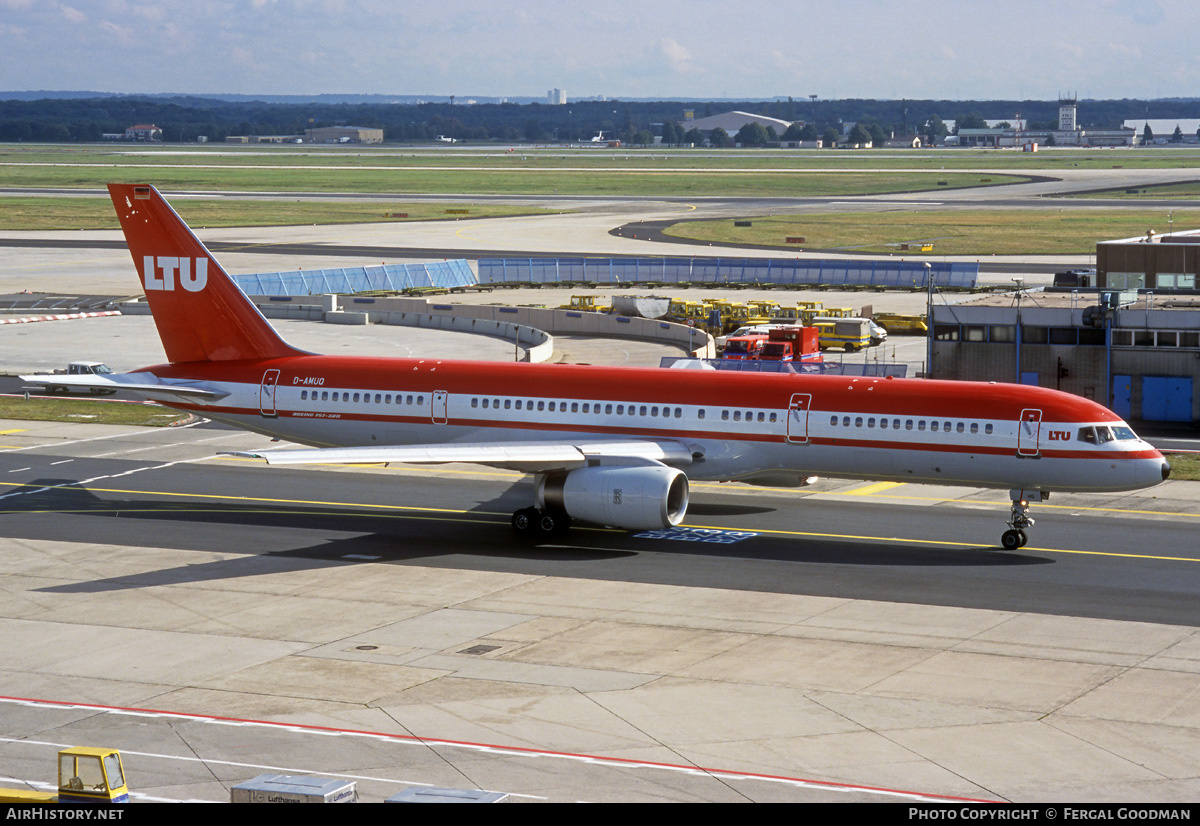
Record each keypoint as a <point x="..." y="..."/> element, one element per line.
<point x="15" y="430"/>
<point x="871" y="490"/>
<point x="411" y="511"/>
<point x="1158" y="557"/>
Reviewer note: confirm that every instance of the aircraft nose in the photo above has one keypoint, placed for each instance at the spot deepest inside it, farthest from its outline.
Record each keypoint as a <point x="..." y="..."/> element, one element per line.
<point x="1166" y="469"/>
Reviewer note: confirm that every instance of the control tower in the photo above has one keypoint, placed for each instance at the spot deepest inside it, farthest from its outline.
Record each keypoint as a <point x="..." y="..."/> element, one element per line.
<point x="1066" y="113"/>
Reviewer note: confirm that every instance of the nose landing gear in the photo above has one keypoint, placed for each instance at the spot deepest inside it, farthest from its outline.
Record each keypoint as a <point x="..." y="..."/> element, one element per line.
<point x="1020" y="520"/>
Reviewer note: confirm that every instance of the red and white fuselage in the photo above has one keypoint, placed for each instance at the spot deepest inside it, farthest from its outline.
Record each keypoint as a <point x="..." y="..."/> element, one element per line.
<point x="609" y="445"/>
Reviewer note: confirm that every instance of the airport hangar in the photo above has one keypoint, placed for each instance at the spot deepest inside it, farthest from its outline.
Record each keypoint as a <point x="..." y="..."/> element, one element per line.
<point x="1127" y="336"/>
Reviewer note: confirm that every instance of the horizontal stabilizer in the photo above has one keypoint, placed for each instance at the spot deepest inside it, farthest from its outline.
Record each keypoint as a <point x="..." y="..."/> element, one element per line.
<point x="144" y="384"/>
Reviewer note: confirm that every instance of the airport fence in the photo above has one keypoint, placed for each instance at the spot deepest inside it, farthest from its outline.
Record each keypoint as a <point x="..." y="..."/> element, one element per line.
<point x="815" y="272"/>
<point x="347" y="280"/>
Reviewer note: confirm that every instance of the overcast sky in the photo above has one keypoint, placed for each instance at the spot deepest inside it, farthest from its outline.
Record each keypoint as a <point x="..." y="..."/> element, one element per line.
<point x="750" y="49"/>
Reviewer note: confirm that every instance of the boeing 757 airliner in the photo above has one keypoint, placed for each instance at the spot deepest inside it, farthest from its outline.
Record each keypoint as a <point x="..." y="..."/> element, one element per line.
<point x="609" y="445"/>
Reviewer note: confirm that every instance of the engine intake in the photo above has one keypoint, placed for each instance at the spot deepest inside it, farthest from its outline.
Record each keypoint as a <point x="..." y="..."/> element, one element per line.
<point x="635" y="498"/>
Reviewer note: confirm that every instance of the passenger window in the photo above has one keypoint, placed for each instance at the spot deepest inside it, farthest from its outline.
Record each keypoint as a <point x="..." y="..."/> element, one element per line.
<point x="871" y="422"/>
<point x="356" y="397"/>
<point x="485" y="404"/>
<point x="678" y="412"/>
<point x="832" y="420"/>
<point x="420" y="401"/>
<point x="908" y="424"/>
<point x="388" y="398"/>
<point x="508" y="404"/>
<point x="654" y="411"/>
<point x="575" y="407"/>
<point x="933" y="426"/>
<point x="643" y="409"/>
<point x="378" y="398"/>
<point x="775" y="418"/>
<point x="845" y="421"/>
<point x="921" y="424"/>
<point x="737" y="415"/>
<point x="987" y="428"/>
<point x="608" y="408"/>
<point x="586" y="407"/>
<point x="324" y="395"/>
<point x="542" y="406"/>
<point x="725" y="415"/>
<point x="858" y="421"/>
<point x="303" y="395"/>
<point x="895" y="424"/>
<point x="474" y="402"/>
<point x="960" y="427"/>
<point x="974" y="427"/>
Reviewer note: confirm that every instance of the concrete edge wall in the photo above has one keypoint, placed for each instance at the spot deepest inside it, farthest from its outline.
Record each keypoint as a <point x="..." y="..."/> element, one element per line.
<point x="526" y="324"/>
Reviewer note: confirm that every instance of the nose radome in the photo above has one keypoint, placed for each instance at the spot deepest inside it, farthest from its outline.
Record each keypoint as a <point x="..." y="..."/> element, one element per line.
<point x="1166" y="469"/>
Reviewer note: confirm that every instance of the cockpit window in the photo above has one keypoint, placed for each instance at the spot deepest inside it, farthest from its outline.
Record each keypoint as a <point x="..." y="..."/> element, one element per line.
<point x="1100" y="435"/>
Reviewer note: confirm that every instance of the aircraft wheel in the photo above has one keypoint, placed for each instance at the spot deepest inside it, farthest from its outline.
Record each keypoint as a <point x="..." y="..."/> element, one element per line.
<point x="1011" y="540"/>
<point x="551" y="523"/>
<point x="525" y="520"/>
<point x="1023" y="537"/>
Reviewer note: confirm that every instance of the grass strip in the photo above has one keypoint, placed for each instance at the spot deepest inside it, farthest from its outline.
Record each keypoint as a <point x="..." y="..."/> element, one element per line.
<point x="52" y="409"/>
<point x="966" y="232"/>
<point x="97" y="213"/>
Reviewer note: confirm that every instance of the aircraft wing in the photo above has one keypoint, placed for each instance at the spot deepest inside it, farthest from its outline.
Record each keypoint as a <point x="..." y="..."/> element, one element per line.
<point x="529" y="457"/>
<point x="144" y="384"/>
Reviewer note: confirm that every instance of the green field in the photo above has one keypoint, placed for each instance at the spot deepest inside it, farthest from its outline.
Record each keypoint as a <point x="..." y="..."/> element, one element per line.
<point x="973" y="232"/>
<point x="50" y="409"/>
<point x="499" y="170"/>
<point x="97" y="213"/>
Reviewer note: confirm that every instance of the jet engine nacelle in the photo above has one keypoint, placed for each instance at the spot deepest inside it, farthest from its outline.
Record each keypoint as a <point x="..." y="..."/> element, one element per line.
<point x="636" y="498"/>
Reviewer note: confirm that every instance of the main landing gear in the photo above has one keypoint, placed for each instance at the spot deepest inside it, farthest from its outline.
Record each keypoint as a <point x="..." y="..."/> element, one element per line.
<point x="1020" y="520"/>
<point x="533" y="522"/>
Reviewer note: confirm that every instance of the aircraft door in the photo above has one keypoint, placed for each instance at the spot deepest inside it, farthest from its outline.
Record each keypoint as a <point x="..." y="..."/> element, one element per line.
<point x="797" y="419"/>
<point x="1029" y="432"/>
<point x="266" y="394"/>
<point x="437" y="406"/>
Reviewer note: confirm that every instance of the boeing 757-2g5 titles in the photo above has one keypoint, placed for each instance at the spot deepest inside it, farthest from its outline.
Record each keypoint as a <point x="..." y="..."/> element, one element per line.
<point x="613" y="446"/>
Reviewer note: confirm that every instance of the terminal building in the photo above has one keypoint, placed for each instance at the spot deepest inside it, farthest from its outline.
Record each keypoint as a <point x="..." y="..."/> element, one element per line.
<point x="1130" y="340"/>
<point x="1068" y="133"/>
<point x="343" y="134"/>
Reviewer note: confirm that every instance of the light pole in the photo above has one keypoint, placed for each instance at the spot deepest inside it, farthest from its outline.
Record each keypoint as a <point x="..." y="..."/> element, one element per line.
<point x="928" y="320"/>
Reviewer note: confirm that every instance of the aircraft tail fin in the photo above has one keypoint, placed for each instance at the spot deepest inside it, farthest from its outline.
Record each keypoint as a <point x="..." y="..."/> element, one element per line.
<point x="200" y="312"/>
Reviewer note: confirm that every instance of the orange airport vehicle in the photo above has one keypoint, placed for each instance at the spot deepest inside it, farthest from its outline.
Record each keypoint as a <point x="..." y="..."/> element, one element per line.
<point x="792" y="344"/>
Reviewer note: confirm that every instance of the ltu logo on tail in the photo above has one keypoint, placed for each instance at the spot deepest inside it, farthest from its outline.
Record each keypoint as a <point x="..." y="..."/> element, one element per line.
<point x="163" y="271"/>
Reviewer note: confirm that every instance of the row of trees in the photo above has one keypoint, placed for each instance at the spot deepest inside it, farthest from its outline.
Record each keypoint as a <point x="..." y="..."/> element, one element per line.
<point x="186" y="118"/>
